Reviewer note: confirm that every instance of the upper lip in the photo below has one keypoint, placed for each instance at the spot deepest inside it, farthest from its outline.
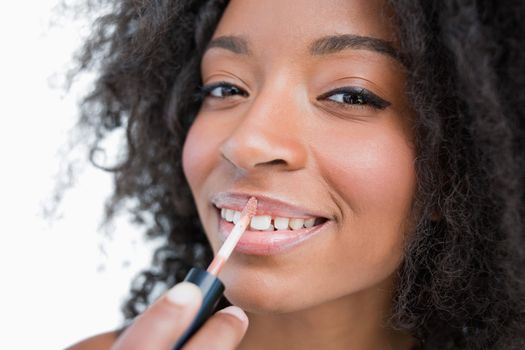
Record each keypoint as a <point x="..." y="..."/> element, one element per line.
<point x="265" y="205"/>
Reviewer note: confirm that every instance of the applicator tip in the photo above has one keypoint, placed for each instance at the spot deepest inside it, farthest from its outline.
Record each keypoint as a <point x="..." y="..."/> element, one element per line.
<point x="250" y="207"/>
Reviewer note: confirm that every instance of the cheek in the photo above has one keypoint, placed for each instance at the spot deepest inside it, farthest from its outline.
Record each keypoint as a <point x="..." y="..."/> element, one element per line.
<point x="371" y="167"/>
<point x="199" y="153"/>
<point x="374" y="179"/>
<point x="376" y="176"/>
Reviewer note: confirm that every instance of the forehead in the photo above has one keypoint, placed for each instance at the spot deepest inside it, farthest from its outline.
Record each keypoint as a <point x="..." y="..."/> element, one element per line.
<point x="288" y="24"/>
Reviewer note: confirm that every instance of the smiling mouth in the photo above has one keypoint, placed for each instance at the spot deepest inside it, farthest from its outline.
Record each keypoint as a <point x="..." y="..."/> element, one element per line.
<point x="267" y="234"/>
<point x="272" y="222"/>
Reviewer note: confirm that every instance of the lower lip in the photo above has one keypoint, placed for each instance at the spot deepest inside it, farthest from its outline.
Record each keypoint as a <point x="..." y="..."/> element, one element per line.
<point x="270" y="242"/>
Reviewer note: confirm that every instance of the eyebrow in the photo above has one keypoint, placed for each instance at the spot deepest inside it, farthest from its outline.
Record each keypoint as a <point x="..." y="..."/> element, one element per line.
<point x="323" y="46"/>
<point x="335" y="43"/>
<point x="235" y="44"/>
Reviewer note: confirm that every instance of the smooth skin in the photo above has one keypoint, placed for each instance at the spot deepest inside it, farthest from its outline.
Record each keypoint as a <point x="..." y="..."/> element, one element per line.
<point x="282" y="119"/>
<point x="276" y="122"/>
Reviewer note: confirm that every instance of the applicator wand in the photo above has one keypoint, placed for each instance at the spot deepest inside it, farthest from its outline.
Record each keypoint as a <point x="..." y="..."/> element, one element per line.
<point x="210" y="286"/>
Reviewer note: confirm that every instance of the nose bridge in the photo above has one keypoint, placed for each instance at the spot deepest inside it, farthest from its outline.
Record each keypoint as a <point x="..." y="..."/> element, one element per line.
<point x="268" y="133"/>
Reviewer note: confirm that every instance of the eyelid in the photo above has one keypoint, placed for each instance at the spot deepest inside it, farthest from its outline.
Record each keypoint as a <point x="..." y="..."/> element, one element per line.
<point x="205" y="89"/>
<point x="373" y="101"/>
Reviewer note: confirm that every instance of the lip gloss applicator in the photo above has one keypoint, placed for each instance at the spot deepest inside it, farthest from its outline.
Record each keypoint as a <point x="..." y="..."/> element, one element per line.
<point x="210" y="286"/>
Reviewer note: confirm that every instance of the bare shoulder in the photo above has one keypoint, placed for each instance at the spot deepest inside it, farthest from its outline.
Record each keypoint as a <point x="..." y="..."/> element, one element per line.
<point x="102" y="341"/>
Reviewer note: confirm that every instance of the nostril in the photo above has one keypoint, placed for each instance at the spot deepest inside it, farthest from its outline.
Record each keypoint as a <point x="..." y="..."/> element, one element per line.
<point x="274" y="162"/>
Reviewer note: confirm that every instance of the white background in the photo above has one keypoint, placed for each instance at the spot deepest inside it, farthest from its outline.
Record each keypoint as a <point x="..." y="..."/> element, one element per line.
<point x="62" y="279"/>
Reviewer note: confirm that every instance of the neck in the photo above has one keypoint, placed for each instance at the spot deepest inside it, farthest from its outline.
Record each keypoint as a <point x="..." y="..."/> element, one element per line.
<point x="356" y="322"/>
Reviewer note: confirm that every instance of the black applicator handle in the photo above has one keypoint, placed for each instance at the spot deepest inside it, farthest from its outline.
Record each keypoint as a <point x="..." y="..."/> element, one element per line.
<point x="211" y="288"/>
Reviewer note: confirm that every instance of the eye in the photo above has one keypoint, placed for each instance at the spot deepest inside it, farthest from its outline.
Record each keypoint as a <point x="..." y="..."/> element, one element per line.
<point x="221" y="90"/>
<point x="352" y="97"/>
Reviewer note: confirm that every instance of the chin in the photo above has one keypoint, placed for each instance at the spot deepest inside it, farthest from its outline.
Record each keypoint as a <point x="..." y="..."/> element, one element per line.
<point x="259" y="295"/>
<point x="260" y="301"/>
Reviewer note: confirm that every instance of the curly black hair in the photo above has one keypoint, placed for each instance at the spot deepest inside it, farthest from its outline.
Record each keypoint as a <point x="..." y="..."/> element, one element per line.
<point x="462" y="281"/>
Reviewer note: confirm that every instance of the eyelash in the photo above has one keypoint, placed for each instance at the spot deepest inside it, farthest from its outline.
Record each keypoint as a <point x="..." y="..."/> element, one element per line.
<point x="355" y="97"/>
<point x="352" y="96"/>
<point x="206" y="90"/>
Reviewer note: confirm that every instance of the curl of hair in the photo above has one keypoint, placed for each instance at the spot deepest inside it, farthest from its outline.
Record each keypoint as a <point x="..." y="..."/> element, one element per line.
<point x="462" y="282"/>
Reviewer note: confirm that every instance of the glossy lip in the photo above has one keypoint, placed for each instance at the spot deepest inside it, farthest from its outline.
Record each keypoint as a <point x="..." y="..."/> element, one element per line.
<point x="265" y="205"/>
<point x="267" y="242"/>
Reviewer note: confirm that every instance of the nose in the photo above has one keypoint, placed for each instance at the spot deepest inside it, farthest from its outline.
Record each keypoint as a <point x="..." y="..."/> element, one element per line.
<point x="268" y="136"/>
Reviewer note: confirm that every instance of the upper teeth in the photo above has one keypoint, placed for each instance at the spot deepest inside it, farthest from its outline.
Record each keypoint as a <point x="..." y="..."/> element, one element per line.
<point x="268" y="223"/>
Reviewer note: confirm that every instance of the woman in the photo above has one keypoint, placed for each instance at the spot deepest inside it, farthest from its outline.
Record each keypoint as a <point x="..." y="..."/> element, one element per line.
<point x="393" y="126"/>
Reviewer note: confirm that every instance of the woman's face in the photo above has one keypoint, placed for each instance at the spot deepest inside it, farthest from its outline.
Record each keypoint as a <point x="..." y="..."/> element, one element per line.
<point x="306" y="110"/>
